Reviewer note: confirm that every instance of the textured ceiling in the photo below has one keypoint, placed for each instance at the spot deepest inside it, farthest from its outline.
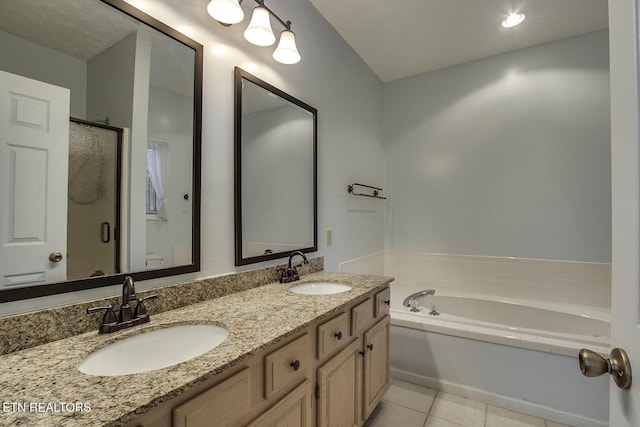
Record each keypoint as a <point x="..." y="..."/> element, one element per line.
<point x="81" y="29"/>
<point x="84" y="28"/>
<point x="402" y="38"/>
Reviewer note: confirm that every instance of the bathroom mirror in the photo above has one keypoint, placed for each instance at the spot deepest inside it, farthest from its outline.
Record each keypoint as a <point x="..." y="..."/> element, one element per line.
<point x="275" y="172"/>
<point x="100" y="147"/>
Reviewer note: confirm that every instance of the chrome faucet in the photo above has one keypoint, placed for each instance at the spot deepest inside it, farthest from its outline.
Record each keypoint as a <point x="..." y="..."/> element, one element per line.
<point x="291" y="274"/>
<point x="127" y="317"/>
<point x="412" y="300"/>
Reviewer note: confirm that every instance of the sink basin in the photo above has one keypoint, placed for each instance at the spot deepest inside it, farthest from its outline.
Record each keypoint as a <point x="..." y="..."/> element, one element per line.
<point x="153" y="350"/>
<point x="319" y="288"/>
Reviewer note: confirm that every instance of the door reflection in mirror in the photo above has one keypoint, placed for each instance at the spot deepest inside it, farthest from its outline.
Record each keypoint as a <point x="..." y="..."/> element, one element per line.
<point x="118" y="67"/>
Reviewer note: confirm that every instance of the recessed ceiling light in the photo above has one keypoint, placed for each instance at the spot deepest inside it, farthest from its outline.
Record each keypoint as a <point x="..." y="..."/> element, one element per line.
<point x="513" y="20"/>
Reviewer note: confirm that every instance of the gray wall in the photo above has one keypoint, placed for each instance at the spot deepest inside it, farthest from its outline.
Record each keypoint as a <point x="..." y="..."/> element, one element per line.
<point x="28" y="59"/>
<point x="277" y="158"/>
<point x="110" y="83"/>
<point x="505" y="156"/>
<point x="332" y="78"/>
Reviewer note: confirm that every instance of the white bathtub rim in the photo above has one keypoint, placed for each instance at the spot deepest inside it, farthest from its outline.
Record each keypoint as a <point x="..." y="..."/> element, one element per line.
<point x="494" y="399"/>
<point x="402" y="291"/>
<point x="500" y="337"/>
<point x="468" y="324"/>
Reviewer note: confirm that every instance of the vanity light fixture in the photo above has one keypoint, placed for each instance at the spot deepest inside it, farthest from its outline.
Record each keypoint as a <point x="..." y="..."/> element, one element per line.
<point x="513" y="20"/>
<point x="259" y="31"/>
<point x="226" y="12"/>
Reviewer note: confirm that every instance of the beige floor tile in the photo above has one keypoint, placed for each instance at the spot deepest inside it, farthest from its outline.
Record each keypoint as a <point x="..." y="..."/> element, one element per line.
<point x="555" y="424"/>
<point x="459" y="410"/>
<point x="410" y="395"/>
<point x="439" y="422"/>
<point x="500" y="417"/>
<point x="389" y="414"/>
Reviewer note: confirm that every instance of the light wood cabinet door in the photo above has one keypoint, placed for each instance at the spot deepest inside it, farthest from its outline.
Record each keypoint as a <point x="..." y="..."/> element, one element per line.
<point x="339" y="385"/>
<point x="294" y="410"/>
<point x="376" y="365"/>
<point x="225" y="404"/>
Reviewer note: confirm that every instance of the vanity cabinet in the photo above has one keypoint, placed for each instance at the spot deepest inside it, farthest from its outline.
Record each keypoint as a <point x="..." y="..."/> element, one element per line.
<point x="340" y="388"/>
<point x="330" y="374"/>
<point x="376" y="365"/>
<point x="351" y="383"/>
<point x="226" y="403"/>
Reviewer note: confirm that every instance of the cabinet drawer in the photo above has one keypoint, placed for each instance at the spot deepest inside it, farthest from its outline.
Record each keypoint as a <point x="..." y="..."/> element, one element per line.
<point x="227" y="403"/>
<point x="332" y="334"/>
<point x="383" y="301"/>
<point x="361" y="316"/>
<point x="288" y="365"/>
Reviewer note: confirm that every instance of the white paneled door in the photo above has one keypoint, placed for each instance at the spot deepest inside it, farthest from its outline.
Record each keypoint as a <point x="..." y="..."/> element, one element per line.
<point x="34" y="145"/>
<point x="625" y="156"/>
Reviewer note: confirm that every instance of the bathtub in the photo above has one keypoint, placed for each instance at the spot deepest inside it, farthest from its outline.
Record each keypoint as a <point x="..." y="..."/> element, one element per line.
<point x="506" y="352"/>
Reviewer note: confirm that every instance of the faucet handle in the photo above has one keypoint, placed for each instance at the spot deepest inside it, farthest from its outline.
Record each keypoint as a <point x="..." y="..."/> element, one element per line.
<point x="109" y="315"/>
<point x="141" y="309"/>
<point x="287" y="275"/>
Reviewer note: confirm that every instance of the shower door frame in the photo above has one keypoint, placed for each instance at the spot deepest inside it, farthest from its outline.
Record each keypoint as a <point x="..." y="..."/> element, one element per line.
<point x="118" y="203"/>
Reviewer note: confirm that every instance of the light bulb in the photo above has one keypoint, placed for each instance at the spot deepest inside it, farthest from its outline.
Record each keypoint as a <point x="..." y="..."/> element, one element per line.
<point x="513" y="20"/>
<point x="259" y="30"/>
<point x="225" y="11"/>
<point x="287" y="52"/>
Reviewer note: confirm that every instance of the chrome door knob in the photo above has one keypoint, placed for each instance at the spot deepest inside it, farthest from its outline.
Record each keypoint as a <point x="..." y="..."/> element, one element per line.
<point x="618" y="365"/>
<point x="55" y="257"/>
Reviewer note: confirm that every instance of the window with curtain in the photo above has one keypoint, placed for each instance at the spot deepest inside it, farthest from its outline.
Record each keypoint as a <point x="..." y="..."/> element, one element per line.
<point x="157" y="198"/>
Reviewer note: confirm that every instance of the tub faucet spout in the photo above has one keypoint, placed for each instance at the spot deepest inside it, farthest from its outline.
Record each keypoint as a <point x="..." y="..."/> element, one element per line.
<point x="412" y="300"/>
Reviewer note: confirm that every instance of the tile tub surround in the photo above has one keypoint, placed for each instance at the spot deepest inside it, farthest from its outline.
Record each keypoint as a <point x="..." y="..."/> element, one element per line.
<point x="574" y="283"/>
<point x="22" y="331"/>
<point x="48" y="373"/>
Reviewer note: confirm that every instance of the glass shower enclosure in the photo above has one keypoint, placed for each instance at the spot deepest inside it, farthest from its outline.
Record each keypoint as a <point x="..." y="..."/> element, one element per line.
<point x="93" y="220"/>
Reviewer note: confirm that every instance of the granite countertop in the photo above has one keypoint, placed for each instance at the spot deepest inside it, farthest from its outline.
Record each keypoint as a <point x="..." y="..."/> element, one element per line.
<point x="39" y="386"/>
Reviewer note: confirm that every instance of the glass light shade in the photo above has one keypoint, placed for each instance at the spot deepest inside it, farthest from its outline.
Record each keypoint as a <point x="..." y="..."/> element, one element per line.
<point x="225" y="11"/>
<point x="287" y="52"/>
<point x="513" y="20"/>
<point x="259" y="30"/>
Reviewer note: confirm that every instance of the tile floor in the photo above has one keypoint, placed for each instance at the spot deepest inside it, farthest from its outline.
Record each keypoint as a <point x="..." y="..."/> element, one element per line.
<point x="410" y="405"/>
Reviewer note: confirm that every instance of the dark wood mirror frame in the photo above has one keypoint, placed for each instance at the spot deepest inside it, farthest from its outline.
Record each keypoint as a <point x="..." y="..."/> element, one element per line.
<point x="96" y="282"/>
<point x="239" y="75"/>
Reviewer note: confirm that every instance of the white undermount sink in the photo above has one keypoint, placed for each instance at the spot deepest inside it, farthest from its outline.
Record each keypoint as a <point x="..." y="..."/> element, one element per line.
<point x="153" y="350"/>
<point x="319" y="288"/>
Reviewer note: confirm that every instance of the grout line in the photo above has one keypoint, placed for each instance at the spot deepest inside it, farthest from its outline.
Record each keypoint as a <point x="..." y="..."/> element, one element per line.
<point x="426" y="420"/>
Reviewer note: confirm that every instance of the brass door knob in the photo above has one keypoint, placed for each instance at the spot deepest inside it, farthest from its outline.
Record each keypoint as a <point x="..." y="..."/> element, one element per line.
<point x="618" y="365"/>
<point x="55" y="257"/>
